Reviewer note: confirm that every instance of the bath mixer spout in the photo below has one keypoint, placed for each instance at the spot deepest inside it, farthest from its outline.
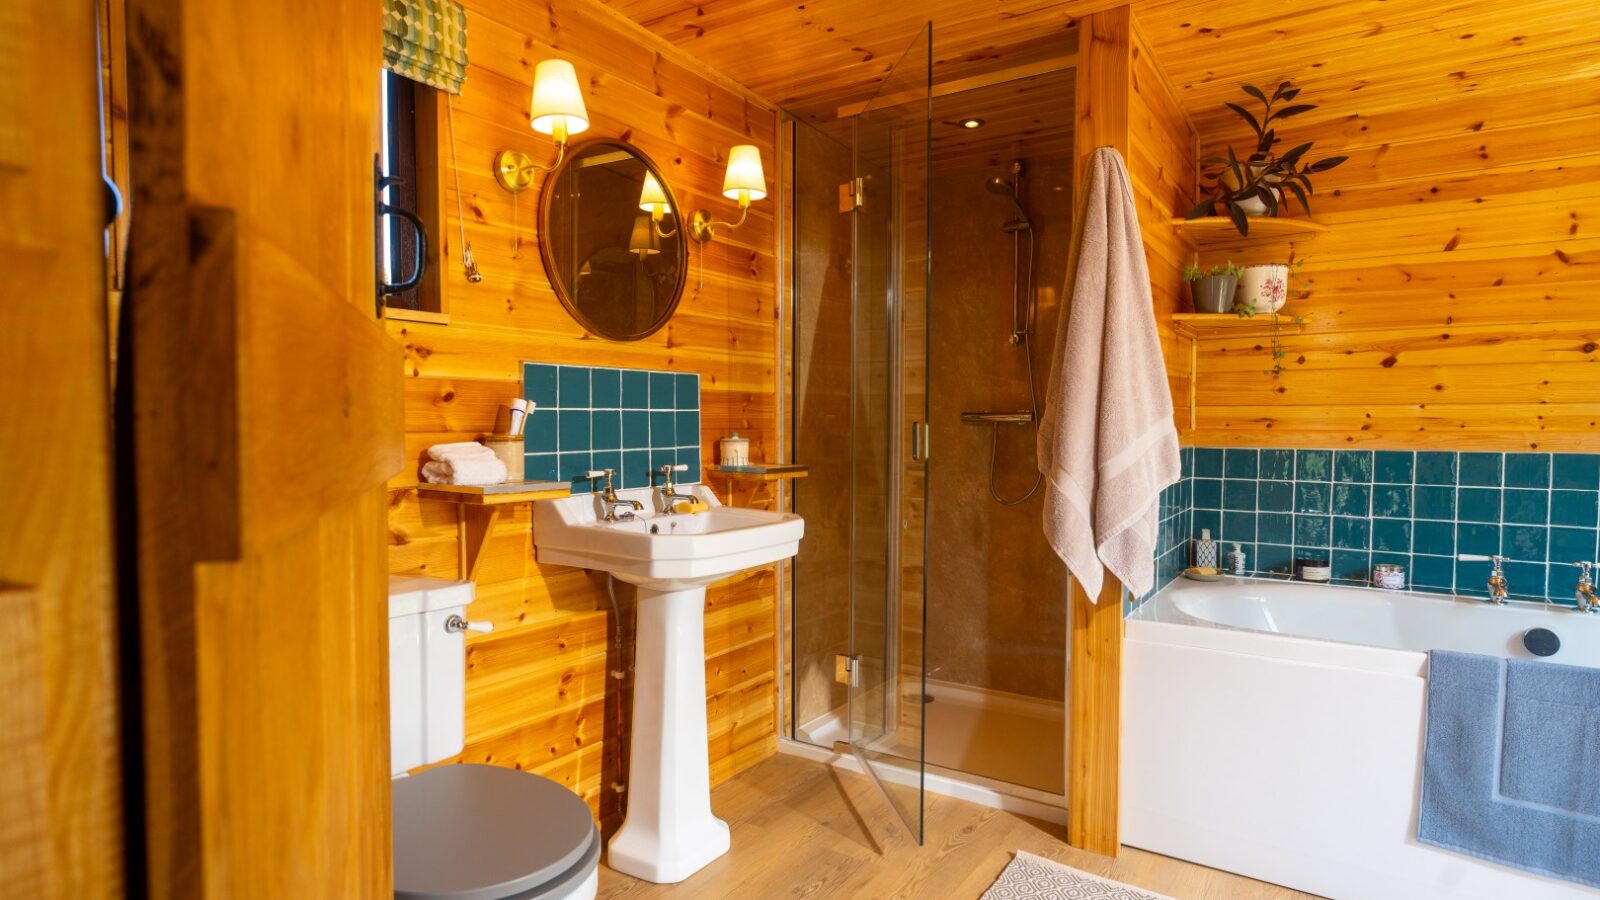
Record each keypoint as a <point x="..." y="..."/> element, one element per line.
<point x="1588" y="600"/>
<point x="1497" y="585"/>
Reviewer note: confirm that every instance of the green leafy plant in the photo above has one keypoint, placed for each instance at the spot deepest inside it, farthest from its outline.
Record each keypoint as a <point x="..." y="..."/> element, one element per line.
<point x="1262" y="175"/>
<point x="1192" y="273"/>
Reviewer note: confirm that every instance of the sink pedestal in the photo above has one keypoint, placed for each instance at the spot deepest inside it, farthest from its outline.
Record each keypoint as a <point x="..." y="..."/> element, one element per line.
<point x="669" y="832"/>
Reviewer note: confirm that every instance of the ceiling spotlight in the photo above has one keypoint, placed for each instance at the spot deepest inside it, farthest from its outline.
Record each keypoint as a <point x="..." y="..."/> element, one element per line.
<point x="971" y="123"/>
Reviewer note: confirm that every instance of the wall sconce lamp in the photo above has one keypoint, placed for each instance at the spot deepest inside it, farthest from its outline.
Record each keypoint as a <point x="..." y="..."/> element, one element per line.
<point x="744" y="182"/>
<point x="557" y="110"/>
<point x="653" y="200"/>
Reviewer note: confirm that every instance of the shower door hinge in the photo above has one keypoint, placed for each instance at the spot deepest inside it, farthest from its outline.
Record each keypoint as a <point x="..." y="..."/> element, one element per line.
<point x="851" y="195"/>
<point x="847" y="669"/>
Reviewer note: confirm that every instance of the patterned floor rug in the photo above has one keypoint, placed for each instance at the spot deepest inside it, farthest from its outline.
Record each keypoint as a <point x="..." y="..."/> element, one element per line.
<point x="1030" y="877"/>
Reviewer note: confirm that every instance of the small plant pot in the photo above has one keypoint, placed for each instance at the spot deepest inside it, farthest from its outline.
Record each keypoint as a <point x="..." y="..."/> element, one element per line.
<point x="1213" y="293"/>
<point x="1264" y="289"/>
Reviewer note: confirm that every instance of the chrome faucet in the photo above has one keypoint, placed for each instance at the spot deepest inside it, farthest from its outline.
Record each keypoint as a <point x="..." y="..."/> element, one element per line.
<point x="1498" y="588"/>
<point x="666" y="495"/>
<point x="609" y="502"/>
<point x="1588" y="601"/>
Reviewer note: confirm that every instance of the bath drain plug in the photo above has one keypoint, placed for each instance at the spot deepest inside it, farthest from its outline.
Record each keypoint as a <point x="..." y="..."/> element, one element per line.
<point x="1541" y="641"/>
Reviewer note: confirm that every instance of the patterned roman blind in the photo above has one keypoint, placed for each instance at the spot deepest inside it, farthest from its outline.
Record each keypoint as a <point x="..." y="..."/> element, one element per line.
<point x="426" y="41"/>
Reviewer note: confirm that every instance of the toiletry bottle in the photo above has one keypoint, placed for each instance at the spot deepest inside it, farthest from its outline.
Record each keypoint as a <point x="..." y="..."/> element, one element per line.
<point x="1205" y="550"/>
<point x="1236" y="560"/>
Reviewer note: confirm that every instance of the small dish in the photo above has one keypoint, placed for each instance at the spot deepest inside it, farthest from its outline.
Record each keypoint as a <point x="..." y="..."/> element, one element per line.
<point x="1194" y="574"/>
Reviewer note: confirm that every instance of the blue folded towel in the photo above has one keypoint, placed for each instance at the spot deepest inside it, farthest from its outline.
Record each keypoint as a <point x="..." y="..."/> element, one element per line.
<point x="1511" y="764"/>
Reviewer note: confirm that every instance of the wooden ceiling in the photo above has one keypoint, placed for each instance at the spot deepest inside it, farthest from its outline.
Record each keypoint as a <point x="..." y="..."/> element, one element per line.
<point x="1021" y="118"/>
<point x="1351" y="56"/>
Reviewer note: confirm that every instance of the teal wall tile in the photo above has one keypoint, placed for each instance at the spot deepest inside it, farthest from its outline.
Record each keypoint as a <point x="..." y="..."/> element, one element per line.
<point x="1571" y="545"/>
<point x="1352" y="500"/>
<point x="605" y="387"/>
<point x="1313" y="465"/>
<point x="574" y="387"/>
<point x="1478" y="504"/>
<point x="1276" y="496"/>
<point x="1239" y="463"/>
<point x="1240" y="495"/>
<point x="540" y="467"/>
<point x="1435" y="467"/>
<point x="1394" y="466"/>
<point x="663" y="390"/>
<point x="1481" y="469"/>
<point x="1391" y="501"/>
<point x="623" y="419"/>
<point x="1530" y="470"/>
<point x="1277" y="464"/>
<point x="1353" y="466"/>
<point x="1435" y="538"/>
<point x="1435" y="502"/>
<point x="539" y="435"/>
<point x="1417" y="509"/>
<point x="539" y="384"/>
<point x="1311" y="497"/>
<point x="635" y="389"/>
<point x="1391" y="535"/>
<point x="1527" y="507"/>
<point x="1580" y="509"/>
<point x="1352" y="534"/>
<point x="1575" y="471"/>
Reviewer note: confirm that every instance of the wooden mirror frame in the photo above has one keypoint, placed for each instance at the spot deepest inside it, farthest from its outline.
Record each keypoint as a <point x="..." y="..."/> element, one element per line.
<point x="546" y="254"/>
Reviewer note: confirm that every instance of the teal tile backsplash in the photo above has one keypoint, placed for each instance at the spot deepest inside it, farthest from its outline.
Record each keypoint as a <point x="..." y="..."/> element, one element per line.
<point x="1358" y="508"/>
<point x="630" y="420"/>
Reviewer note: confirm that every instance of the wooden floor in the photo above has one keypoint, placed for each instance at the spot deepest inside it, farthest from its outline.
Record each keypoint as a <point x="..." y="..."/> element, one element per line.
<point x="803" y="829"/>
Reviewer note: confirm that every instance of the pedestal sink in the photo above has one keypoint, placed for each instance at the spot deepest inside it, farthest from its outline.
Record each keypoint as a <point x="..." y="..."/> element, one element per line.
<point x="668" y="832"/>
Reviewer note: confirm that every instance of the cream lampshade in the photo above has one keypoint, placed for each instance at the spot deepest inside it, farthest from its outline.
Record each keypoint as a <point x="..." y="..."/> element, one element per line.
<point x="652" y="199"/>
<point x="557" y="108"/>
<point x="643" y="239"/>
<point x="745" y="181"/>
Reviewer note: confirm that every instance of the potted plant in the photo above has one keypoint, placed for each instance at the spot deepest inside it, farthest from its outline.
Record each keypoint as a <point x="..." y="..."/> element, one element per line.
<point x="1265" y="289"/>
<point x="1212" y="291"/>
<point x="1255" y="186"/>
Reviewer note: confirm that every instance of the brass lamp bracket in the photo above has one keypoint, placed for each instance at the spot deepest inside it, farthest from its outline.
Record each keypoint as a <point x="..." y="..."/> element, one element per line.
<point x="515" y="171"/>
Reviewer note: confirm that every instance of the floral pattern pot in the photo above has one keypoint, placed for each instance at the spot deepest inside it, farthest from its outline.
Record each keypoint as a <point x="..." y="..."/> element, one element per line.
<point x="1264" y="288"/>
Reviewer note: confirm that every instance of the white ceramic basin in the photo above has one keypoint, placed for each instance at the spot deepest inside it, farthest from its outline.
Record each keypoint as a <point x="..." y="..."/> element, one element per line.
<point x="669" y="832"/>
<point x="665" y="552"/>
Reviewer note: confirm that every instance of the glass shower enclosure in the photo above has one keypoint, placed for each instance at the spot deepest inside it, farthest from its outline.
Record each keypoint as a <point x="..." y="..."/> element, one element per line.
<point x="861" y="423"/>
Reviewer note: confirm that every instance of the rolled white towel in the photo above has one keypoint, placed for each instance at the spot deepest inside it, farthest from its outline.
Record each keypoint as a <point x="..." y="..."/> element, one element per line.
<point x="459" y="450"/>
<point x="465" y="471"/>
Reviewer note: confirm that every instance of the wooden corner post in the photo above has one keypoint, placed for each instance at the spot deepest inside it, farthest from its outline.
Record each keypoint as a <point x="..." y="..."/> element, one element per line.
<point x="1094" y="735"/>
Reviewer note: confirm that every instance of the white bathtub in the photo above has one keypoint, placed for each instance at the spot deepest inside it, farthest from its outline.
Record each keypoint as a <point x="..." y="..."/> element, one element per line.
<point x="1274" y="729"/>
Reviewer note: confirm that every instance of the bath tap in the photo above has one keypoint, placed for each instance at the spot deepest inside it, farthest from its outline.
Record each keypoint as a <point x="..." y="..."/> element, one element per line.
<point x="609" y="501"/>
<point x="666" y="494"/>
<point x="1588" y="601"/>
<point x="1498" y="588"/>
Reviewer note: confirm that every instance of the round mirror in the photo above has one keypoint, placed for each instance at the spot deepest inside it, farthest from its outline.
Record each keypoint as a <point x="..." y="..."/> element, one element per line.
<point x="612" y="241"/>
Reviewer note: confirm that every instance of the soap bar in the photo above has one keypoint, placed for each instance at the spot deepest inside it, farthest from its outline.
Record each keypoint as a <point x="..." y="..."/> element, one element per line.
<point x="691" y="506"/>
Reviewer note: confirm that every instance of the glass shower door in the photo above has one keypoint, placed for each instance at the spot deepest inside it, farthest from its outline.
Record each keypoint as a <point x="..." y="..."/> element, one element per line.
<point x="889" y="431"/>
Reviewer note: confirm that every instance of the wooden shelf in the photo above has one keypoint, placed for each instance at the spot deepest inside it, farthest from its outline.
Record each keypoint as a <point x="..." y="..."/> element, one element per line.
<point x="756" y="472"/>
<point x="478" y="509"/>
<point x="1219" y="230"/>
<point x="1205" y="324"/>
<point x="495" y="494"/>
<point x="754" y="486"/>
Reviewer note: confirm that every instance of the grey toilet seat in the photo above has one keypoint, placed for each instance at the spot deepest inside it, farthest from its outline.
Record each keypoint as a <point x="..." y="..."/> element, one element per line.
<point x="473" y="832"/>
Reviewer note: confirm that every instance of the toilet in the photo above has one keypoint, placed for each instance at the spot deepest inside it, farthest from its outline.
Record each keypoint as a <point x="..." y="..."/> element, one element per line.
<point x="468" y="832"/>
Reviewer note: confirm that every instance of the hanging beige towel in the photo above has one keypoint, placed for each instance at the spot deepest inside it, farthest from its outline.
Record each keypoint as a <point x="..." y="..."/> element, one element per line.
<point x="1107" y="445"/>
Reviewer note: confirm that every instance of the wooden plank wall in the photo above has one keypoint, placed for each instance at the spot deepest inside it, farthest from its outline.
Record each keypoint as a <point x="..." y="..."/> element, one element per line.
<point x="539" y="696"/>
<point x="1160" y="161"/>
<point x="1453" y="300"/>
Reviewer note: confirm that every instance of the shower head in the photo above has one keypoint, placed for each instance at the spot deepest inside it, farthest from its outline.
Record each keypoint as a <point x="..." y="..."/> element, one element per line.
<point x="1001" y="186"/>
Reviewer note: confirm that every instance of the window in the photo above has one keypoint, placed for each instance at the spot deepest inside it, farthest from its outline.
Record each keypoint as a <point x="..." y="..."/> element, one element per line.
<point x="408" y="153"/>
